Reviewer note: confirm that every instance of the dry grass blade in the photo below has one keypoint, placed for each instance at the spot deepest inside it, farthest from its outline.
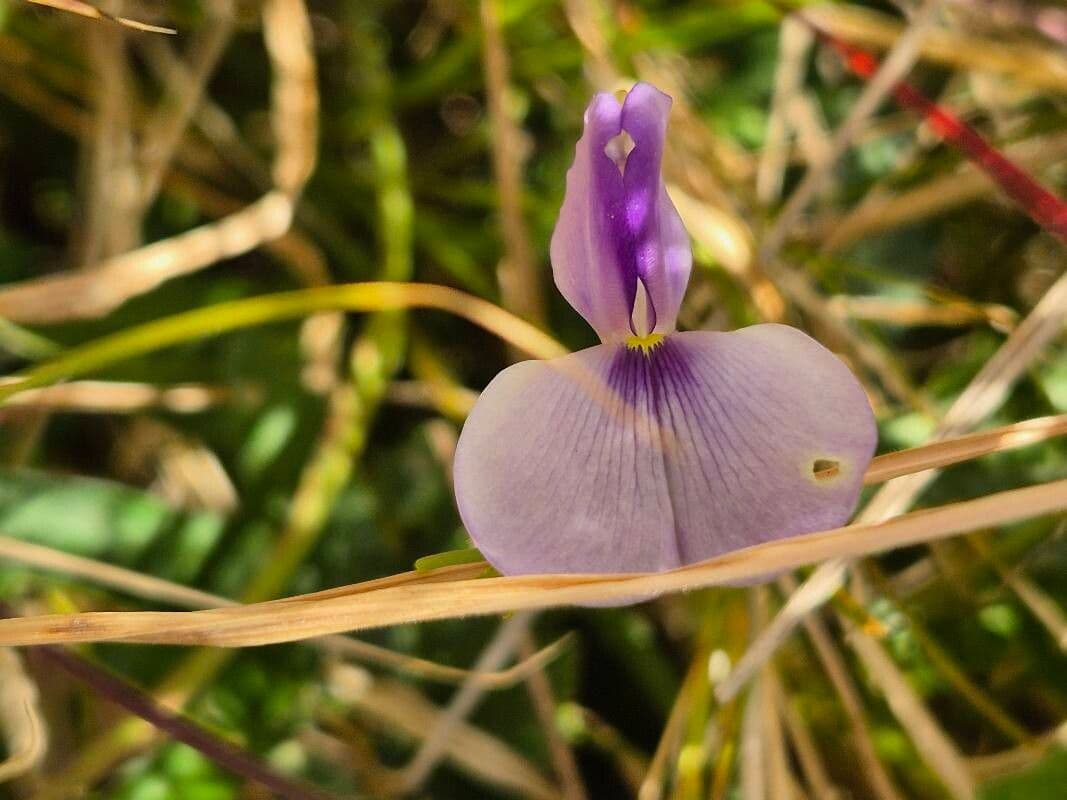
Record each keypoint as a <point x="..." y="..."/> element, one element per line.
<point x="20" y="718"/>
<point x="932" y="743"/>
<point x="165" y="129"/>
<point x="543" y="699"/>
<point x="158" y="590"/>
<point x="1035" y="65"/>
<point x="499" y="650"/>
<point x="983" y="395"/>
<point x="401" y="709"/>
<point x="962" y="448"/>
<point x="833" y="663"/>
<point x="935" y="196"/>
<point x="119" y="397"/>
<point x="652" y="784"/>
<point x="900" y="60"/>
<point x="92" y="12"/>
<point x="905" y="312"/>
<point x="753" y="781"/>
<point x="357" y="608"/>
<point x="794" y="44"/>
<point x="520" y="278"/>
<point x="1044" y="607"/>
<point x="808" y="756"/>
<point x="97" y="290"/>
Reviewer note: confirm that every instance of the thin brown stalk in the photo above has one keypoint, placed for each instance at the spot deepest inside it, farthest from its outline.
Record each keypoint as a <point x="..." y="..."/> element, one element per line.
<point x="544" y="703"/>
<point x="84" y="9"/>
<point x="1043" y="67"/>
<point x="794" y="44"/>
<point x="520" y="280"/>
<point x="110" y="220"/>
<point x="671" y="736"/>
<point x="165" y="129"/>
<point x="504" y="643"/>
<point x="834" y="665"/>
<point x="294" y="114"/>
<point x="399" y="709"/>
<point x="896" y="65"/>
<point x="118" y="397"/>
<point x="1044" y="607"/>
<point x="938" y="195"/>
<point x="808" y="756"/>
<point x="136" y="702"/>
<point x="931" y="742"/>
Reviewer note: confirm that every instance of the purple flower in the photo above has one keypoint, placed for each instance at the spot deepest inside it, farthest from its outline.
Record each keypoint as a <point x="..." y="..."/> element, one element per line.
<point x="655" y="448"/>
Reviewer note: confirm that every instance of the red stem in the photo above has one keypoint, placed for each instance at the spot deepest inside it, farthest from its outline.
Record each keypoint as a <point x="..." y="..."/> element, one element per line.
<point x="1045" y="208"/>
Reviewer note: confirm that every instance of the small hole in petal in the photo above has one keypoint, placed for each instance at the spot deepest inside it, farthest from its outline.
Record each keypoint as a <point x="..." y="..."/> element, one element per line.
<point x="825" y="469"/>
<point x="619" y="148"/>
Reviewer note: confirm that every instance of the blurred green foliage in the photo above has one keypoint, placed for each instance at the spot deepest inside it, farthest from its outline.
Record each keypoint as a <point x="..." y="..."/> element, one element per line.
<point x="404" y="187"/>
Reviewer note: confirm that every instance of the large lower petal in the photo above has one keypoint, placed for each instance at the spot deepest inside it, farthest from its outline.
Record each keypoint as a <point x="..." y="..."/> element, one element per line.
<point x="611" y="460"/>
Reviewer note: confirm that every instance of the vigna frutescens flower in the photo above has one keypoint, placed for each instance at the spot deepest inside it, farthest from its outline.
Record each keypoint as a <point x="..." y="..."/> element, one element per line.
<point x="655" y="448"/>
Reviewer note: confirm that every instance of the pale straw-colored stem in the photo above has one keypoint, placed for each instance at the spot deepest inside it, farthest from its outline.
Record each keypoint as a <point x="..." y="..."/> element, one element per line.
<point x="504" y="644"/>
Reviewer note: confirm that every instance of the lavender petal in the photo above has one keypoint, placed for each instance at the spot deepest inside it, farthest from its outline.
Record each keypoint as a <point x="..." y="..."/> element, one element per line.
<point x="658" y="242"/>
<point x="610" y="460"/>
<point x="584" y="247"/>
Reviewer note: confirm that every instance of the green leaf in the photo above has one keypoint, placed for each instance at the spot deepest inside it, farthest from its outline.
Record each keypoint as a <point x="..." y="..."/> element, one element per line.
<point x="105" y="520"/>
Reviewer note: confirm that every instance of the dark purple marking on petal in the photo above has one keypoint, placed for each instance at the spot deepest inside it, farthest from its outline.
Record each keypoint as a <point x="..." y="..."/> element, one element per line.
<point x="613" y="460"/>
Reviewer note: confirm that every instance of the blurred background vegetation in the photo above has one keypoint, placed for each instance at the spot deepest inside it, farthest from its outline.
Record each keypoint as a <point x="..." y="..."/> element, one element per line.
<point x="428" y="140"/>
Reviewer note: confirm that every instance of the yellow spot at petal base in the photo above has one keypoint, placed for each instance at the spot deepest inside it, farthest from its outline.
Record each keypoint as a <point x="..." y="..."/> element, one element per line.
<point x="646" y="344"/>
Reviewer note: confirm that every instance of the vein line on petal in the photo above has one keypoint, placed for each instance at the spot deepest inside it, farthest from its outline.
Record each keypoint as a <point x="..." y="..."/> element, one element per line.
<point x="707" y="391"/>
<point x="655" y="398"/>
<point x="670" y="373"/>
